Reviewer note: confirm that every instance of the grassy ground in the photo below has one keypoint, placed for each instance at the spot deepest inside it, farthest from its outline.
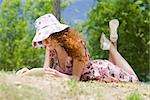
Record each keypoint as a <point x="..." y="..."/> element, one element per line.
<point x="40" y="88"/>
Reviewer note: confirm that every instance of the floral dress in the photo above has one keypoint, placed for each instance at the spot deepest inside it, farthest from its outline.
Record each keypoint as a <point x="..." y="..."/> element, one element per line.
<point x="102" y="70"/>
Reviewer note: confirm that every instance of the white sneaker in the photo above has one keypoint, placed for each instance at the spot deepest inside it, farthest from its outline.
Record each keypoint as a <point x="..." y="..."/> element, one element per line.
<point x="113" y="25"/>
<point x="105" y="43"/>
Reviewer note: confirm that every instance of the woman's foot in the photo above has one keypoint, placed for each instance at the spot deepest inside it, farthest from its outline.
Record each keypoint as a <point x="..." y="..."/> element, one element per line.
<point x="105" y="43"/>
<point x="113" y="25"/>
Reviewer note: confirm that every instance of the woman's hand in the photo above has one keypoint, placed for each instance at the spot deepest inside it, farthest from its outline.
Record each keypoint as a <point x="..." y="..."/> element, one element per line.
<point x="22" y="71"/>
<point x="54" y="73"/>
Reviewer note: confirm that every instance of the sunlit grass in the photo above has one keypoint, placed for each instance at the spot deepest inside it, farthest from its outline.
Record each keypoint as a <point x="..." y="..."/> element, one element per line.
<point x="41" y="88"/>
<point x="134" y="96"/>
<point x="14" y="92"/>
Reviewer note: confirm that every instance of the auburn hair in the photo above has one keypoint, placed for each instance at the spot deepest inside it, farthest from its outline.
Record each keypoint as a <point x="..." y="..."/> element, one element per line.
<point x="71" y="41"/>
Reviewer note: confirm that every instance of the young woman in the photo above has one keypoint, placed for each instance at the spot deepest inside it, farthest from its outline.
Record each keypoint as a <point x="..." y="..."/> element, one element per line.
<point x="67" y="56"/>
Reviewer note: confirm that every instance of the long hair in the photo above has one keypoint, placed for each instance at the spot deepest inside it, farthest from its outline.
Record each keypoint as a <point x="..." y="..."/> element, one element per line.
<point x="73" y="44"/>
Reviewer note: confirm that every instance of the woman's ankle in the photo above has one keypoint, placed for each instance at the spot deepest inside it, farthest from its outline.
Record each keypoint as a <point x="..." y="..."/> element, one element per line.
<point x="114" y="44"/>
<point x="111" y="46"/>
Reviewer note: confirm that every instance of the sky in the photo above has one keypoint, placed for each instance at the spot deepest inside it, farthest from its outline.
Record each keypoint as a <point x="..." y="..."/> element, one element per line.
<point x="0" y="1"/>
<point x="77" y="11"/>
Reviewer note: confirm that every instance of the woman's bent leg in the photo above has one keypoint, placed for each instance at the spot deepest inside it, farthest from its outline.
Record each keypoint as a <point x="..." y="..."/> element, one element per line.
<point x="110" y="56"/>
<point x="120" y="61"/>
<point x="113" y="25"/>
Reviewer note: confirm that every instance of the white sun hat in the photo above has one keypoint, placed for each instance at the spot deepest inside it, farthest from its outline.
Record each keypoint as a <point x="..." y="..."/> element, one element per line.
<point x="45" y="26"/>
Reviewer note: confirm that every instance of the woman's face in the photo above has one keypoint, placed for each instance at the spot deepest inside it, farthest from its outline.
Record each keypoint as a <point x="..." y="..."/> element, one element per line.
<point x="45" y="43"/>
<point x="49" y="43"/>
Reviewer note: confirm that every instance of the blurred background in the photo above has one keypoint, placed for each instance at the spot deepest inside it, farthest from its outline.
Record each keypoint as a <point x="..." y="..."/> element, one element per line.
<point x="90" y="17"/>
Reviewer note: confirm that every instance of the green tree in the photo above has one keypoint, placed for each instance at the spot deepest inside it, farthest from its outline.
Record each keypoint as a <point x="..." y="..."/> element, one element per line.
<point x="17" y="30"/>
<point x="133" y="31"/>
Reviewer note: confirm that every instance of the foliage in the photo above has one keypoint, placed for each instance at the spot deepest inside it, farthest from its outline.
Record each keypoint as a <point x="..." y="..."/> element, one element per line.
<point x="66" y="3"/>
<point x="17" y="31"/>
<point x="133" y="31"/>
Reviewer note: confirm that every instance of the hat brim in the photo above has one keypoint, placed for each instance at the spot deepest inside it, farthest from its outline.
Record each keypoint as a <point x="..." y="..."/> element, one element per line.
<point x="45" y="32"/>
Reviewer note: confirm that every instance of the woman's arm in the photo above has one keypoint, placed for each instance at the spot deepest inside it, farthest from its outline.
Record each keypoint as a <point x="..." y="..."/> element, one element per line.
<point x="32" y="72"/>
<point x="36" y="71"/>
<point x="78" y="65"/>
<point x="47" y="58"/>
<point x="77" y="68"/>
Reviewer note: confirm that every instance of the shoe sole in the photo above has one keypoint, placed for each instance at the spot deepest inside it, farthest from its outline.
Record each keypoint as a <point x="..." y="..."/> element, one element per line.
<point x="113" y="25"/>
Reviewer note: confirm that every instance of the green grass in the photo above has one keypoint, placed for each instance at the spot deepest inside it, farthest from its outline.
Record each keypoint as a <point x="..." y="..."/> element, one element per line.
<point x="40" y="88"/>
<point x="134" y="96"/>
<point x="14" y="92"/>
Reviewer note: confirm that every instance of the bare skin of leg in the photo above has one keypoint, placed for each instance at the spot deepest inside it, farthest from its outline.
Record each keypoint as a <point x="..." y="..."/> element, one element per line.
<point x="110" y="56"/>
<point x="120" y="61"/>
<point x="113" y="25"/>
